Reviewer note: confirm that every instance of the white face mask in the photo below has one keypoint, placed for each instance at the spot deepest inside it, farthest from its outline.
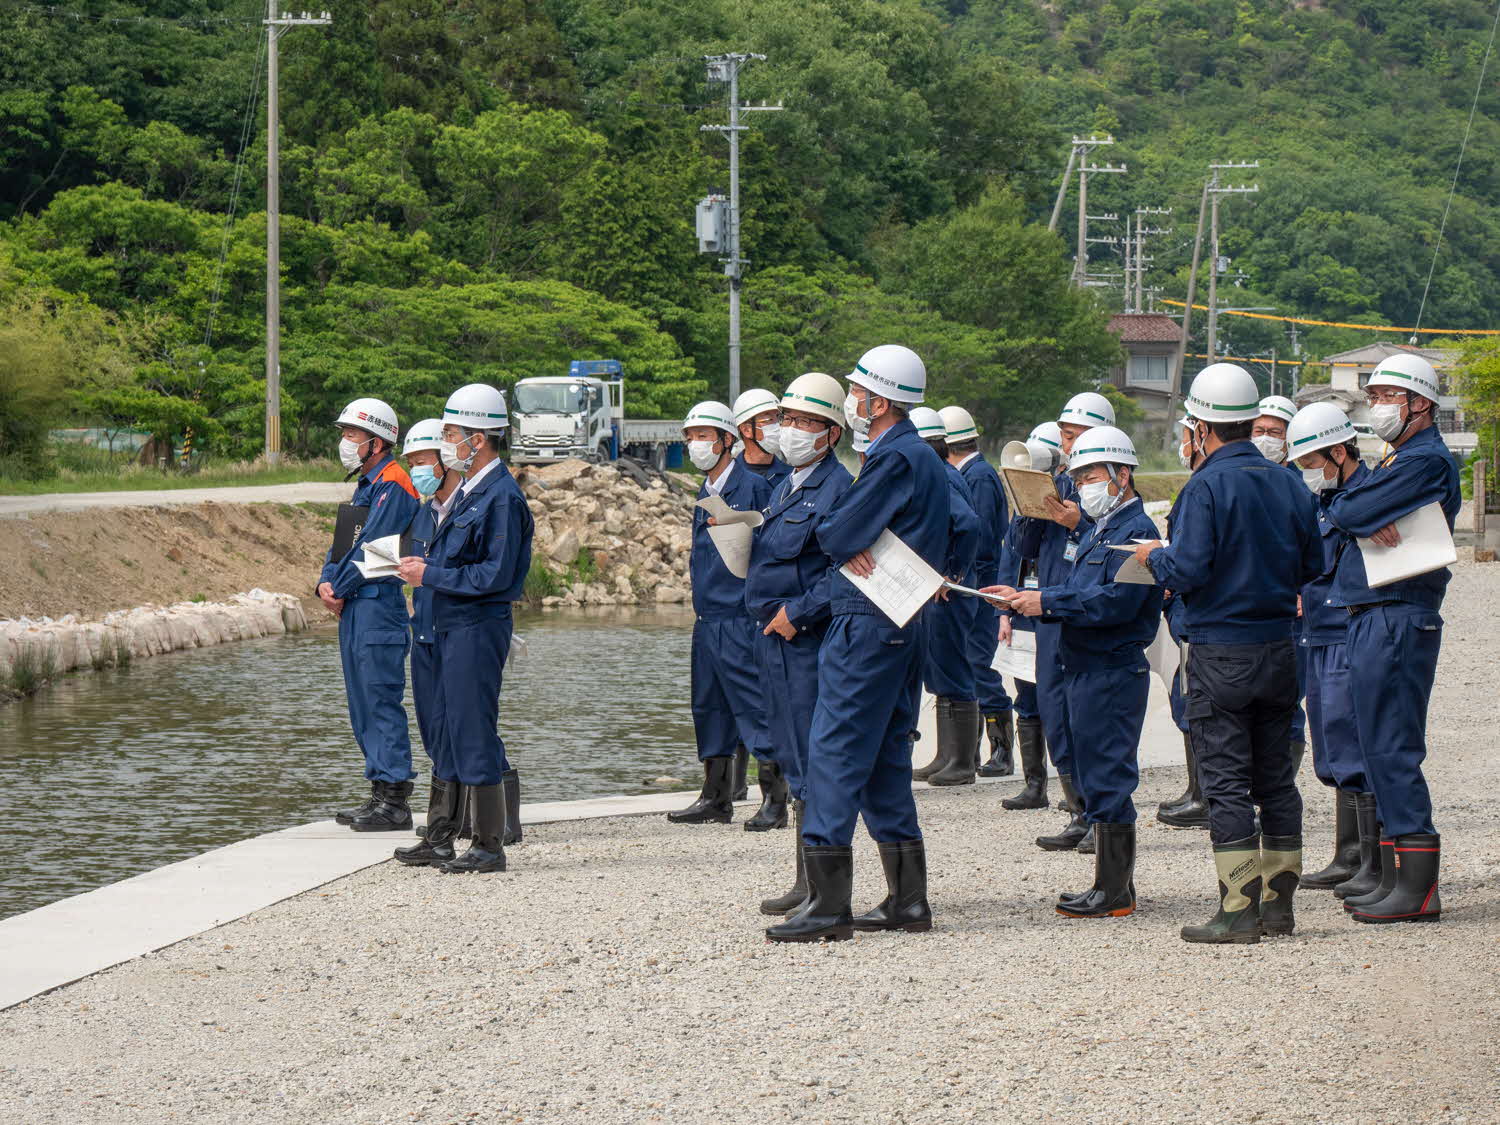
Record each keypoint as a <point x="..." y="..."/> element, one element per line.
<point x="1315" y="480"/>
<point x="448" y="454"/>
<point x="1385" y="420"/>
<point x="851" y="414"/>
<point x="1095" y="499"/>
<point x="1271" y="448"/>
<point x="770" y="439"/>
<point x="349" y="455"/>
<point x="702" y="455"/>
<point x="798" y="447"/>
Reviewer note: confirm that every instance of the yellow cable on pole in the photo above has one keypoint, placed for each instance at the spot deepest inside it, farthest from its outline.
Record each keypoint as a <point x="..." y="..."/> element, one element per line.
<point x="1340" y="324"/>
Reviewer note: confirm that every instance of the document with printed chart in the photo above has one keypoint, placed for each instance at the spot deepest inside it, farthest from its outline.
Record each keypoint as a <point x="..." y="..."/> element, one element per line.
<point x="902" y="583"/>
<point x="733" y="534"/>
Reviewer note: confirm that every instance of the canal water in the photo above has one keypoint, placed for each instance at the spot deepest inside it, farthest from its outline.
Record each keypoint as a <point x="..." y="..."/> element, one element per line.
<point x="109" y="774"/>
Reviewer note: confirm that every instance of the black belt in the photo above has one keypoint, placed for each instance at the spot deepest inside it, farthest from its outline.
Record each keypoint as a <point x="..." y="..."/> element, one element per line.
<point x="1356" y="610"/>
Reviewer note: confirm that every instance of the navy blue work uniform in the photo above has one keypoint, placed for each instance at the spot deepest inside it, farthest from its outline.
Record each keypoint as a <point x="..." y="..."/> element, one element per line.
<point x="1325" y="630"/>
<point x="949" y="624"/>
<point x="373" y="634"/>
<point x="789" y="568"/>
<point x="773" y="474"/>
<point x="1018" y="570"/>
<point x="728" y="702"/>
<point x="1054" y="564"/>
<point x="476" y="567"/>
<point x="1395" y="631"/>
<point x="1245" y="543"/>
<point x="869" y="669"/>
<point x="1106" y="627"/>
<point x="988" y="500"/>
<point x="423" y="637"/>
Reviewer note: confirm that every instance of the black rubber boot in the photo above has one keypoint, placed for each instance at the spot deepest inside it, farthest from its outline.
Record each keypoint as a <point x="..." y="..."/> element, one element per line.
<point x="1033" y="752"/>
<point x="1113" y="892"/>
<point x="741" y="774"/>
<point x="510" y="784"/>
<point x="1192" y="771"/>
<point x="391" y="812"/>
<point x="1238" y="919"/>
<point x="465" y="815"/>
<point x="1075" y="830"/>
<point x="1415" y="896"/>
<point x="1280" y="869"/>
<point x="487" y="851"/>
<point x="1001" y="731"/>
<point x="942" y="708"/>
<point x="905" y="904"/>
<point x="714" y="804"/>
<point x="826" y="915"/>
<point x="963" y="733"/>
<point x="436" y="845"/>
<point x="773" y="794"/>
<point x="1192" y="812"/>
<point x="1345" y="845"/>
<point x="347" y="816"/>
<point x="1088" y="845"/>
<point x="794" y="898"/>
<point x="1367" y="823"/>
<point x="1386" y="850"/>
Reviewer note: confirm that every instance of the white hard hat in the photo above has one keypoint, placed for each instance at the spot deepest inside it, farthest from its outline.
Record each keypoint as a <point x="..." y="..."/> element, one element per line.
<point x="711" y="413"/>
<point x="752" y="403"/>
<point x="1409" y="372"/>
<point x="929" y="423"/>
<point x="1048" y="434"/>
<point x="477" y="406"/>
<point x="426" y="434"/>
<point x="372" y="416"/>
<point x="816" y="393"/>
<point x="959" y="423"/>
<point x="1317" y="426"/>
<point x="1224" y="392"/>
<point x="1102" y="445"/>
<point x="1088" y="409"/>
<point x="1278" y="406"/>
<point x="891" y="372"/>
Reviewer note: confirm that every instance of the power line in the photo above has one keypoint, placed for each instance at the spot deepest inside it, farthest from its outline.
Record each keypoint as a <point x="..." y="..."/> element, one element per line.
<point x="246" y="126"/>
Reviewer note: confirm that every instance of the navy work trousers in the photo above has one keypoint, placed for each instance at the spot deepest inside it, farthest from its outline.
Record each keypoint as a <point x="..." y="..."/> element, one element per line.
<point x="1239" y="710"/>
<point x="989" y="688"/>
<point x="373" y="638"/>
<point x="1111" y="707"/>
<point x="859" y="756"/>
<point x="1330" y="719"/>
<point x="467" y="663"/>
<point x="789" y="674"/>
<point x="1393" y="654"/>
<point x="1052" y="697"/>
<point x="728" y="703"/>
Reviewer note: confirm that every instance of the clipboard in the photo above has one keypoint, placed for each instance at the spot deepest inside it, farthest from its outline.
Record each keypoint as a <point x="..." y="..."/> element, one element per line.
<point x="1028" y="489"/>
<point x="347" y="527"/>
<point x="1426" y="545"/>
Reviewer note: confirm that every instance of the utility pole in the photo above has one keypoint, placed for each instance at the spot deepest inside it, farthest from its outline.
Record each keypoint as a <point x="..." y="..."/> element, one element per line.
<point x="1081" y="259"/>
<point x="726" y="69"/>
<point x="276" y="27"/>
<point x="1213" y="276"/>
<point x="1140" y="251"/>
<point x="1062" y="190"/>
<point x="1175" y="395"/>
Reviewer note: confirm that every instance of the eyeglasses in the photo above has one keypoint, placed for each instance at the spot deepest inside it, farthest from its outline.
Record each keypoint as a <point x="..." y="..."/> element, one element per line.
<point x="806" y="425"/>
<point x="1382" y="395"/>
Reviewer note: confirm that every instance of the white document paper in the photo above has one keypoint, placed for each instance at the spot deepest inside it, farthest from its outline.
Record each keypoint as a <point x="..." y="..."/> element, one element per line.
<point x="1132" y="571"/>
<point x="382" y="557"/>
<point x="733" y="534"/>
<point x="1017" y="659"/>
<point x="1426" y="545"/>
<point x="1163" y="654"/>
<point x="902" y="583"/>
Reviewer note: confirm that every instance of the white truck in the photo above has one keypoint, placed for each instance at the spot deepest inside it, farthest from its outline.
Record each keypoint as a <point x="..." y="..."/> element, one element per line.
<point x="582" y="414"/>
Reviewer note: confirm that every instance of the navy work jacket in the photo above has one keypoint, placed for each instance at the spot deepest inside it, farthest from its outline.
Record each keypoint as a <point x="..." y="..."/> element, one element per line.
<point x="988" y="501"/>
<point x="478" y="557"/>
<point x="1245" y="542"/>
<point x="718" y="593"/>
<point x="387" y="492"/>
<point x="1324" y="623"/>
<point x="964" y="533"/>
<point x="788" y="566"/>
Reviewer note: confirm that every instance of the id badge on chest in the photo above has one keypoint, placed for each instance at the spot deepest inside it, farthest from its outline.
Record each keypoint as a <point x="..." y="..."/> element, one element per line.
<point x="1032" y="583"/>
<point x="1070" y="552"/>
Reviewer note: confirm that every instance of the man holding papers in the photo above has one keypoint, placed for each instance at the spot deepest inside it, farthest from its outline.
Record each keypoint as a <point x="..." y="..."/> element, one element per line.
<point x="373" y="634"/>
<point x="869" y="668"/>
<point x="1105" y="627"/>
<point x="1395" y="632"/>
<point x="1244" y="542"/>
<point x="728" y="710"/>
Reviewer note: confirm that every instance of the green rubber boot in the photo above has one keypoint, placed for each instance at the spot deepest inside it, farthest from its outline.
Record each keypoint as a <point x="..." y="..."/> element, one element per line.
<point x="1280" y="869"/>
<point x="1238" y="919"/>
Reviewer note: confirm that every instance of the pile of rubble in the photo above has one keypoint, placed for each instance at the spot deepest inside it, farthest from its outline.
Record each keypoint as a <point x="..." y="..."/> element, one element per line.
<point x="610" y="535"/>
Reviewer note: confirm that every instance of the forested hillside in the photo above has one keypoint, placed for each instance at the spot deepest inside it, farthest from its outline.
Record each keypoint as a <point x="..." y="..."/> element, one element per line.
<point x="483" y="189"/>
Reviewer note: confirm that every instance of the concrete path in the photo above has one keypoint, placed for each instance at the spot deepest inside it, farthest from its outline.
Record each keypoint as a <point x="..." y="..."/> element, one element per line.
<point x="304" y="492"/>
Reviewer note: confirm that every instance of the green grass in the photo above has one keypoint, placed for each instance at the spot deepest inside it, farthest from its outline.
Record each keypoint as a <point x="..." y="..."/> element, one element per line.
<point x="84" y="469"/>
<point x="30" y="671"/>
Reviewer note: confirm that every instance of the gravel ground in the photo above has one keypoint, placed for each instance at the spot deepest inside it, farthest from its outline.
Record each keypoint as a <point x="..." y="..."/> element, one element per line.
<point x="618" y="974"/>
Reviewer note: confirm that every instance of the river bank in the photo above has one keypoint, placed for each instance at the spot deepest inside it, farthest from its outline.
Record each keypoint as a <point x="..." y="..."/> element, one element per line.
<point x="616" y="974"/>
